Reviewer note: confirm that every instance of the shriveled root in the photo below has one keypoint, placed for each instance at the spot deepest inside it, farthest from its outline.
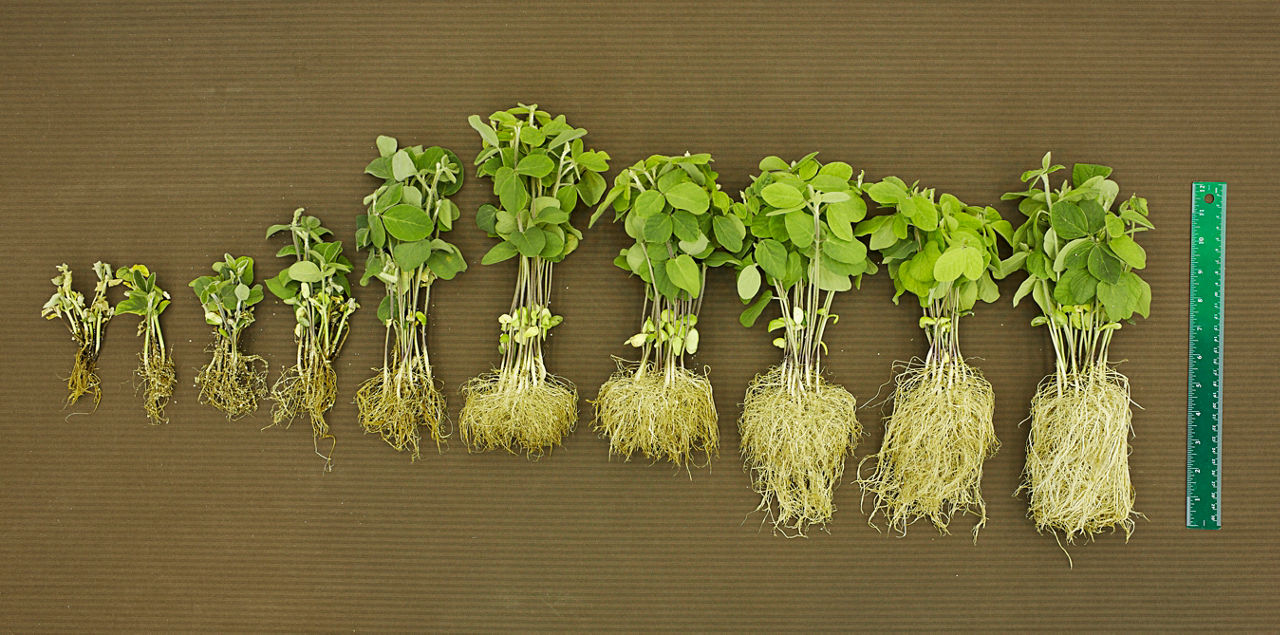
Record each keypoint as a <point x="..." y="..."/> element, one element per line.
<point x="1077" y="471"/>
<point x="795" y="444"/>
<point x="658" y="415"/>
<point x="232" y="381"/>
<point x="311" y="391"/>
<point x="500" y="413"/>
<point x="84" y="377"/>
<point x="398" y="409"/>
<point x="935" y="442"/>
<point x="158" y="380"/>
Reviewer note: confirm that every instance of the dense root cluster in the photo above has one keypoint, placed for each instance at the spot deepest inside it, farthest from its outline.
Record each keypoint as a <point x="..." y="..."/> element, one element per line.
<point x="310" y="390"/>
<point x="397" y="410"/>
<point x="84" y="376"/>
<point x="232" y="381"/>
<point x="1077" y="471"/>
<point x="661" y="416"/>
<point x="158" y="380"/>
<point x="501" y="412"/>
<point x="935" y="443"/>
<point x="794" y="443"/>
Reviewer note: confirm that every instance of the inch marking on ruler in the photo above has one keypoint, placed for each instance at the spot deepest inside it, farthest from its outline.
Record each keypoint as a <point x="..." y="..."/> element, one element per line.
<point x="1204" y="355"/>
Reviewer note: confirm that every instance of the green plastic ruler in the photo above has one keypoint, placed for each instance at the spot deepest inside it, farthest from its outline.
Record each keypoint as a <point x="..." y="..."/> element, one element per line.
<point x="1204" y="356"/>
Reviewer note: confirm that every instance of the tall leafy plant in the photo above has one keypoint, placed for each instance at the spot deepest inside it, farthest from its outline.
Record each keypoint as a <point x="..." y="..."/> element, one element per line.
<point x="402" y="229"/>
<point x="540" y="171"/>
<point x="797" y="427"/>
<point x="673" y="210"/>
<point x="315" y="286"/>
<point x="945" y="255"/>
<point x="1079" y="251"/>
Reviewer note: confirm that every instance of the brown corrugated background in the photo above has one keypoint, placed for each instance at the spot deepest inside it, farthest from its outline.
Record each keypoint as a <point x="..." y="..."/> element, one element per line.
<point x="166" y="133"/>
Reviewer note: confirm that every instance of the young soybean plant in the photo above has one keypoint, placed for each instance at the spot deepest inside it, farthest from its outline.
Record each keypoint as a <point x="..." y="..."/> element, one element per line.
<point x="86" y="324"/>
<point x="402" y="229"/>
<point x="1080" y="257"/>
<point x="798" y="428"/>
<point x="147" y="300"/>
<point x="316" y="286"/>
<point x="540" y="171"/>
<point x="232" y="381"/>
<point x="674" y="210"/>
<point x="945" y="254"/>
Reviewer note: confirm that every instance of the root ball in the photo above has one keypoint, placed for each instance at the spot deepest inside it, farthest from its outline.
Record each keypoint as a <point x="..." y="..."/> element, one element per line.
<point x="398" y="409"/>
<point x="661" y="416"/>
<point x="158" y="380"/>
<point x="502" y="412"/>
<point x="232" y="381"/>
<point x="794" y="443"/>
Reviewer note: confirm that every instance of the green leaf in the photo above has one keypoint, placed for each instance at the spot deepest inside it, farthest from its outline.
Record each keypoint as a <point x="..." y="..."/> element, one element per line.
<point x="887" y="193"/>
<point x="657" y="228"/>
<point x="648" y="203"/>
<point x="683" y="272"/>
<point x="1075" y="287"/>
<point x="847" y="251"/>
<point x="685" y="225"/>
<point x="486" y="218"/>
<point x="305" y="271"/>
<point x="535" y="165"/>
<point x="407" y="222"/>
<point x="956" y="262"/>
<point x="242" y="292"/>
<point x="402" y="166"/>
<point x="689" y="197"/>
<point x="1115" y="226"/>
<point x="486" y="133"/>
<point x="532" y="136"/>
<point x="729" y="231"/>
<point x="1024" y="289"/>
<point x="446" y="263"/>
<point x="1104" y="265"/>
<point x="800" y="228"/>
<point x="275" y="229"/>
<point x="411" y="255"/>
<point x="773" y="164"/>
<point x="501" y="251"/>
<point x="379" y="167"/>
<point x="772" y="257"/>
<point x="1095" y="217"/>
<point x="1082" y="172"/>
<point x="1068" y="220"/>
<point x="1129" y="251"/>
<point x="748" y="282"/>
<point x="387" y="145"/>
<point x="752" y="313"/>
<point x="829" y="280"/>
<point x="511" y="191"/>
<point x="529" y="242"/>
<point x="782" y="195"/>
<point x="593" y="161"/>
<point x="279" y="286"/>
<point x="566" y="137"/>
<point x="1074" y="255"/>
<point x="591" y="188"/>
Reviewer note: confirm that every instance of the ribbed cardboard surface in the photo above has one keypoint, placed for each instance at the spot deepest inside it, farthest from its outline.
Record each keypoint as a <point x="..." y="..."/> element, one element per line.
<point x="169" y="133"/>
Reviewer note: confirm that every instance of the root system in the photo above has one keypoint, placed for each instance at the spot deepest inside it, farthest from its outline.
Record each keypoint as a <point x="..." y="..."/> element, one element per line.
<point x="310" y="390"/>
<point x="935" y="442"/>
<point x="397" y="409"/>
<point x="530" y="417"/>
<point x="232" y="381"/>
<point x="1077" y="470"/>
<point x="661" y="416"/>
<point x="795" y="439"/>
<point x="158" y="380"/>
<point x="84" y="376"/>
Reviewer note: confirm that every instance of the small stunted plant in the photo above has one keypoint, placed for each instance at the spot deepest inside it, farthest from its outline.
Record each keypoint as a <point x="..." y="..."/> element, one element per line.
<point x="86" y="323"/>
<point x="674" y="210"/>
<point x="1081" y="258"/>
<point x="232" y="381"/>
<point x="316" y="286"/>
<point x="401" y="229"/>
<point x="540" y="172"/>
<point x="147" y="300"/>
<point x="798" y="428"/>
<point x="945" y="254"/>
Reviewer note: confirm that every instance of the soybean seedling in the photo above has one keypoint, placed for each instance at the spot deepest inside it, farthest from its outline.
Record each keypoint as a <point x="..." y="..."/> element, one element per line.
<point x="944" y="254"/>
<point x="86" y="323"/>
<point x="798" y="428"/>
<point x="674" y="210"/>
<point x="402" y="227"/>
<point x="232" y="381"/>
<point x="316" y="286"/>
<point x="147" y="300"/>
<point x="1081" y="258"/>
<point x="540" y="171"/>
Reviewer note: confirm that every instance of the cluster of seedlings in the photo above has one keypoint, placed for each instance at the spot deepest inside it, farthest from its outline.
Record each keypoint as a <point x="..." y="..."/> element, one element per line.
<point x="147" y="300"/>
<point x="86" y="320"/>
<point x="232" y="381"/>
<point x="540" y="172"/>
<point x="406" y="216"/>
<point x="681" y="223"/>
